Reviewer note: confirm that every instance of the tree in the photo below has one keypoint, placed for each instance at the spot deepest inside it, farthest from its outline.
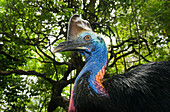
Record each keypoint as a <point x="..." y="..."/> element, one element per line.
<point x="33" y="78"/>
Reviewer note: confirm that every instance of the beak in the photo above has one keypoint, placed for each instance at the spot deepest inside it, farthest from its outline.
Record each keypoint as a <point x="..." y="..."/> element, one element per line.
<point x="74" y="45"/>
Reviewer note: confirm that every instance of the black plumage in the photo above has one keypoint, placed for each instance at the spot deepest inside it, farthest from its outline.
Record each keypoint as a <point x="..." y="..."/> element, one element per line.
<point x="146" y="88"/>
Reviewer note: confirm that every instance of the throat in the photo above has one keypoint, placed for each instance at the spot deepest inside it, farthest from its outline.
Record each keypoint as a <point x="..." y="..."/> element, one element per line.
<point x="97" y="83"/>
<point x="95" y="66"/>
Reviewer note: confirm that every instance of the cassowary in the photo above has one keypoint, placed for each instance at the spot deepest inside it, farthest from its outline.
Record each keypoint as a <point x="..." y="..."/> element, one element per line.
<point x="146" y="88"/>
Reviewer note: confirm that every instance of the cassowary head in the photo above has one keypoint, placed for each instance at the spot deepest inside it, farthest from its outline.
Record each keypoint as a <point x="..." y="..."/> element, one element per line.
<point x="81" y="38"/>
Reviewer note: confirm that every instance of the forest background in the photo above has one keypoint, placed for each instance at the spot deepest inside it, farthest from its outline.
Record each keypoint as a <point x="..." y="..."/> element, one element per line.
<point x="34" y="79"/>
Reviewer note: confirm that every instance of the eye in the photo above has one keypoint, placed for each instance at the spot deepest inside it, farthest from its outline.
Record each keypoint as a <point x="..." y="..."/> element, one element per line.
<point x="87" y="37"/>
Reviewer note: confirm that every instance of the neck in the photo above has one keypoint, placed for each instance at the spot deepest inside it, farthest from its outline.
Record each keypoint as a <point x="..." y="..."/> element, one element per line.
<point x="94" y="71"/>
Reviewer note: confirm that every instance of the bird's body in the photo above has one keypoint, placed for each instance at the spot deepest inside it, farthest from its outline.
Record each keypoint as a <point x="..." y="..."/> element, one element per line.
<point x="146" y="88"/>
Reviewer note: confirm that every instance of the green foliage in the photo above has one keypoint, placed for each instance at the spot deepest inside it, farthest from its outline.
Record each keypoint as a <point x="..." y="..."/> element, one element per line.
<point x="136" y="30"/>
<point x="12" y="89"/>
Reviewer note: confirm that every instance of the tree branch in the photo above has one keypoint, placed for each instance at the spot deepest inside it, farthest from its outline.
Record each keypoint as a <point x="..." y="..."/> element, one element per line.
<point x="22" y="72"/>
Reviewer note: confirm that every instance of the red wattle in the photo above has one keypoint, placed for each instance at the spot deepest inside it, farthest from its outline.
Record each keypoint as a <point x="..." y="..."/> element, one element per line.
<point x="71" y="105"/>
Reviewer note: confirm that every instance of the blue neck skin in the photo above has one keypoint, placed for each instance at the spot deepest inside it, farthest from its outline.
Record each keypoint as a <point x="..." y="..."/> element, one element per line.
<point x="95" y="62"/>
